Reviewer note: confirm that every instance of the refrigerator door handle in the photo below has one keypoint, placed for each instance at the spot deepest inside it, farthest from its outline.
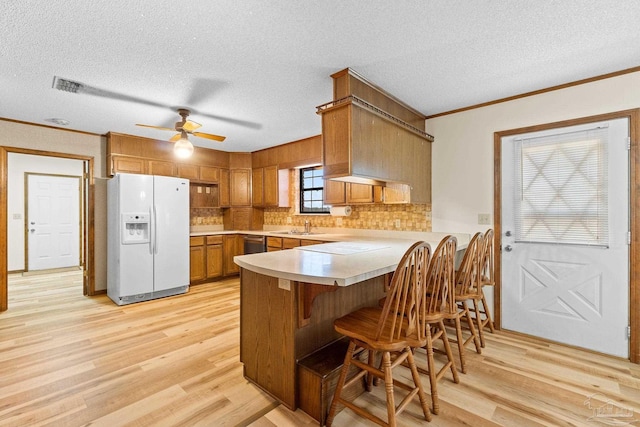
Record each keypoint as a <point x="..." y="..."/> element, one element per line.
<point x="152" y="227"/>
<point x="155" y="230"/>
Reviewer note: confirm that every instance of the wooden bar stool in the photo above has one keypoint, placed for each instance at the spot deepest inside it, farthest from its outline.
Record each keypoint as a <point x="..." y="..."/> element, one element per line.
<point x="394" y="330"/>
<point x="440" y="287"/>
<point x="487" y="279"/>
<point x="466" y="285"/>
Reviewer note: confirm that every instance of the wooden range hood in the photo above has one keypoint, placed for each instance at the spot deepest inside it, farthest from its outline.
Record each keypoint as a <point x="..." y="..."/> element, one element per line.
<point x="370" y="137"/>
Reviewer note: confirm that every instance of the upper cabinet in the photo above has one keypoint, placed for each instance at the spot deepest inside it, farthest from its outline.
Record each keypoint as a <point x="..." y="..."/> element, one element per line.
<point x="134" y="154"/>
<point x="369" y="137"/>
<point x="270" y="187"/>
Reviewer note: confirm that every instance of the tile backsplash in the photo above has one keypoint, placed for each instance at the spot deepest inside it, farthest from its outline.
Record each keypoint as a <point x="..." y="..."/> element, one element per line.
<point x="205" y="216"/>
<point x="401" y="217"/>
<point x="375" y="217"/>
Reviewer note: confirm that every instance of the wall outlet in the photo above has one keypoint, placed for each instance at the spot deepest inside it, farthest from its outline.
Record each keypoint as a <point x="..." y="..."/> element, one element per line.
<point x="397" y="223"/>
<point x="339" y="222"/>
<point x="427" y="216"/>
<point x="484" y="219"/>
<point x="289" y="220"/>
<point x="17" y="216"/>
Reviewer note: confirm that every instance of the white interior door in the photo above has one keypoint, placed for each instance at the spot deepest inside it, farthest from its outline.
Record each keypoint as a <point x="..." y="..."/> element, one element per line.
<point x="53" y="221"/>
<point x="565" y="222"/>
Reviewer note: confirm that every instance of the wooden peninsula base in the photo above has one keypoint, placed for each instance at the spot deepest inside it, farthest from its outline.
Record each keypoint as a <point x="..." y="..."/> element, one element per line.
<point x="282" y="322"/>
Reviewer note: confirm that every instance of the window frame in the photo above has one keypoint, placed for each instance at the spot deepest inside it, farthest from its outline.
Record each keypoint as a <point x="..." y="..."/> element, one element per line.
<point x="303" y="190"/>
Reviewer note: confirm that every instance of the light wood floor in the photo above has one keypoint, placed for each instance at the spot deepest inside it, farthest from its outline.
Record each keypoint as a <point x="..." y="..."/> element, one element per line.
<point x="70" y="360"/>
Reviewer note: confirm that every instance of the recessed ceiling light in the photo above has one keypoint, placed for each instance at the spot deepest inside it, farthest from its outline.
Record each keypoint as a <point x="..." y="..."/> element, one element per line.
<point x="59" y="122"/>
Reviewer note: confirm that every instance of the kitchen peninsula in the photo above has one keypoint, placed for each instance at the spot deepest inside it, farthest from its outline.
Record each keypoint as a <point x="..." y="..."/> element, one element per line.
<point x="289" y="300"/>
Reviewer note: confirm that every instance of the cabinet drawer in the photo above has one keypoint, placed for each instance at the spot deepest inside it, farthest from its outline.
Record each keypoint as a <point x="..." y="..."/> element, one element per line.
<point x="274" y="242"/>
<point x="288" y="243"/>
<point x="196" y="241"/>
<point x="214" y="240"/>
<point x="305" y="242"/>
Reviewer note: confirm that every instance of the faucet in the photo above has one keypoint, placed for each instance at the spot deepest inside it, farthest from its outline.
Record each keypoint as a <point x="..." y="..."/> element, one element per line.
<point x="307" y="227"/>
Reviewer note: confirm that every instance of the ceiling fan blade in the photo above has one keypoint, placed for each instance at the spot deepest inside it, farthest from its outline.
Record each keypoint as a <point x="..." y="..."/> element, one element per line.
<point x="190" y="125"/>
<point x="155" y="127"/>
<point x="209" y="136"/>
<point x="175" y="137"/>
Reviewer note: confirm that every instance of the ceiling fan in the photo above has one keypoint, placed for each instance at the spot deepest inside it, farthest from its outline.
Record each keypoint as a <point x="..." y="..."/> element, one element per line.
<point x="185" y="127"/>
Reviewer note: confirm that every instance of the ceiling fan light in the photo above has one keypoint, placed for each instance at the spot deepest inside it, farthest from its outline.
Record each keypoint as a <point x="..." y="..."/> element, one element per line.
<point x="183" y="147"/>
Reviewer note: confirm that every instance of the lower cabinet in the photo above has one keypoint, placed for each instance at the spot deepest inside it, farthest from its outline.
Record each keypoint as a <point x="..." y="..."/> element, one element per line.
<point x="233" y="245"/>
<point x="212" y="257"/>
<point x="280" y="243"/>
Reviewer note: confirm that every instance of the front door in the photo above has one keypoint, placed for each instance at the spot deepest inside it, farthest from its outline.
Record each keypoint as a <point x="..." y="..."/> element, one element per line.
<point x="565" y="223"/>
<point x="53" y="221"/>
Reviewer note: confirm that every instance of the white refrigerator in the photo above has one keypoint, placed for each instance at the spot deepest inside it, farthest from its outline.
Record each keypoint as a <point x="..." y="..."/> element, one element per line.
<point x="148" y="237"/>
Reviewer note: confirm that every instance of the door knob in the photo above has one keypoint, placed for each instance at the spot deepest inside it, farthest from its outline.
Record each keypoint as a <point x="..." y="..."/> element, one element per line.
<point x="508" y="233"/>
<point x="508" y="248"/>
<point x="32" y="230"/>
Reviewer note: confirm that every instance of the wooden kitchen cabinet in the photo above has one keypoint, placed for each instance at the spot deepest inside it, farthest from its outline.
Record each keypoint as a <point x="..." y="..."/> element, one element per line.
<point x="274" y="244"/>
<point x="359" y="142"/>
<point x="240" y="187"/>
<point x="289" y="243"/>
<point x="197" y="259"/>
<point x="214" y="257"/>
<point x="257" y="187"/>
<point x="233" y="244"/>
<point x="363" y="193"/>
<point x="125" y="164"/>
<point x="396" y="194"/>
<point x="341" y="193"/>
<point x="159" y="167"/>
<point x="223" y="188"/>
<point x="209" y="174"/>
<point x="334" y="193"/>
<point x="270" y="187"/>
<point x="190" y="172"/>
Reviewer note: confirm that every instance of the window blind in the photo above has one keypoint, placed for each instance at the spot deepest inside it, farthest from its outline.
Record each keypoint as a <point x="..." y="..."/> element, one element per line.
<point x="562" y="188"/>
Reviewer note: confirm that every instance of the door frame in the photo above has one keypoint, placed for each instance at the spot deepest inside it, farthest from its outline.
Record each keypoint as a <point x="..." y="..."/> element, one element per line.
<point x="81" y="209"/>
<point x="88" y="246"/>
<point x="634" y="213"/>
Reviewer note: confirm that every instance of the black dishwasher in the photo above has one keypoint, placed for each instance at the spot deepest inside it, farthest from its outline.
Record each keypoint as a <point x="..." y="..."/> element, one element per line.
<point x="254" y="244"/>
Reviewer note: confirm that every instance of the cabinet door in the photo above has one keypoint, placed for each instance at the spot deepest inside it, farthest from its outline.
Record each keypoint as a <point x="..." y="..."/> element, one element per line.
<point x="209" y="174"/>
<point x="158" y="167"/>
<point x="334" y="192"/>
<point x="271" y="186"/>
<point x="214" y="261"/>
<point x="359" y="193"/>
<point x="189" y="172"/>
<point x="126" y="165"/>
<point x="240" y="187"/>
<point x="231" y="247"/>
<point x="257" y="186"/>
<point x="224" y="193"/>
<point x="197" y="263"/>
<point x="397" y="193"/>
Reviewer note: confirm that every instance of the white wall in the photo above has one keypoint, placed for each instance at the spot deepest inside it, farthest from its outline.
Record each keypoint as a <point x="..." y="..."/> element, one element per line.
<point x="18" y="165"/>
<point x="14" y="134"/>
<point x="462" y="174"/>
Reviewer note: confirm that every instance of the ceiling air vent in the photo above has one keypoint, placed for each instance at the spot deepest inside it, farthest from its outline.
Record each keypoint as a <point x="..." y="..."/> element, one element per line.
<point x="67" y="85"/>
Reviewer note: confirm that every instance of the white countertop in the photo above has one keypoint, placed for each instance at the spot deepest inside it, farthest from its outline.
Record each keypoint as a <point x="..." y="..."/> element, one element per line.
<point x="347" y="260"/>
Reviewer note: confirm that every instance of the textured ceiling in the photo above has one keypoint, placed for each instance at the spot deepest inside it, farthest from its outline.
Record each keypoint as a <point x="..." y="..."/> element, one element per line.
<point x="255" y="70"/>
